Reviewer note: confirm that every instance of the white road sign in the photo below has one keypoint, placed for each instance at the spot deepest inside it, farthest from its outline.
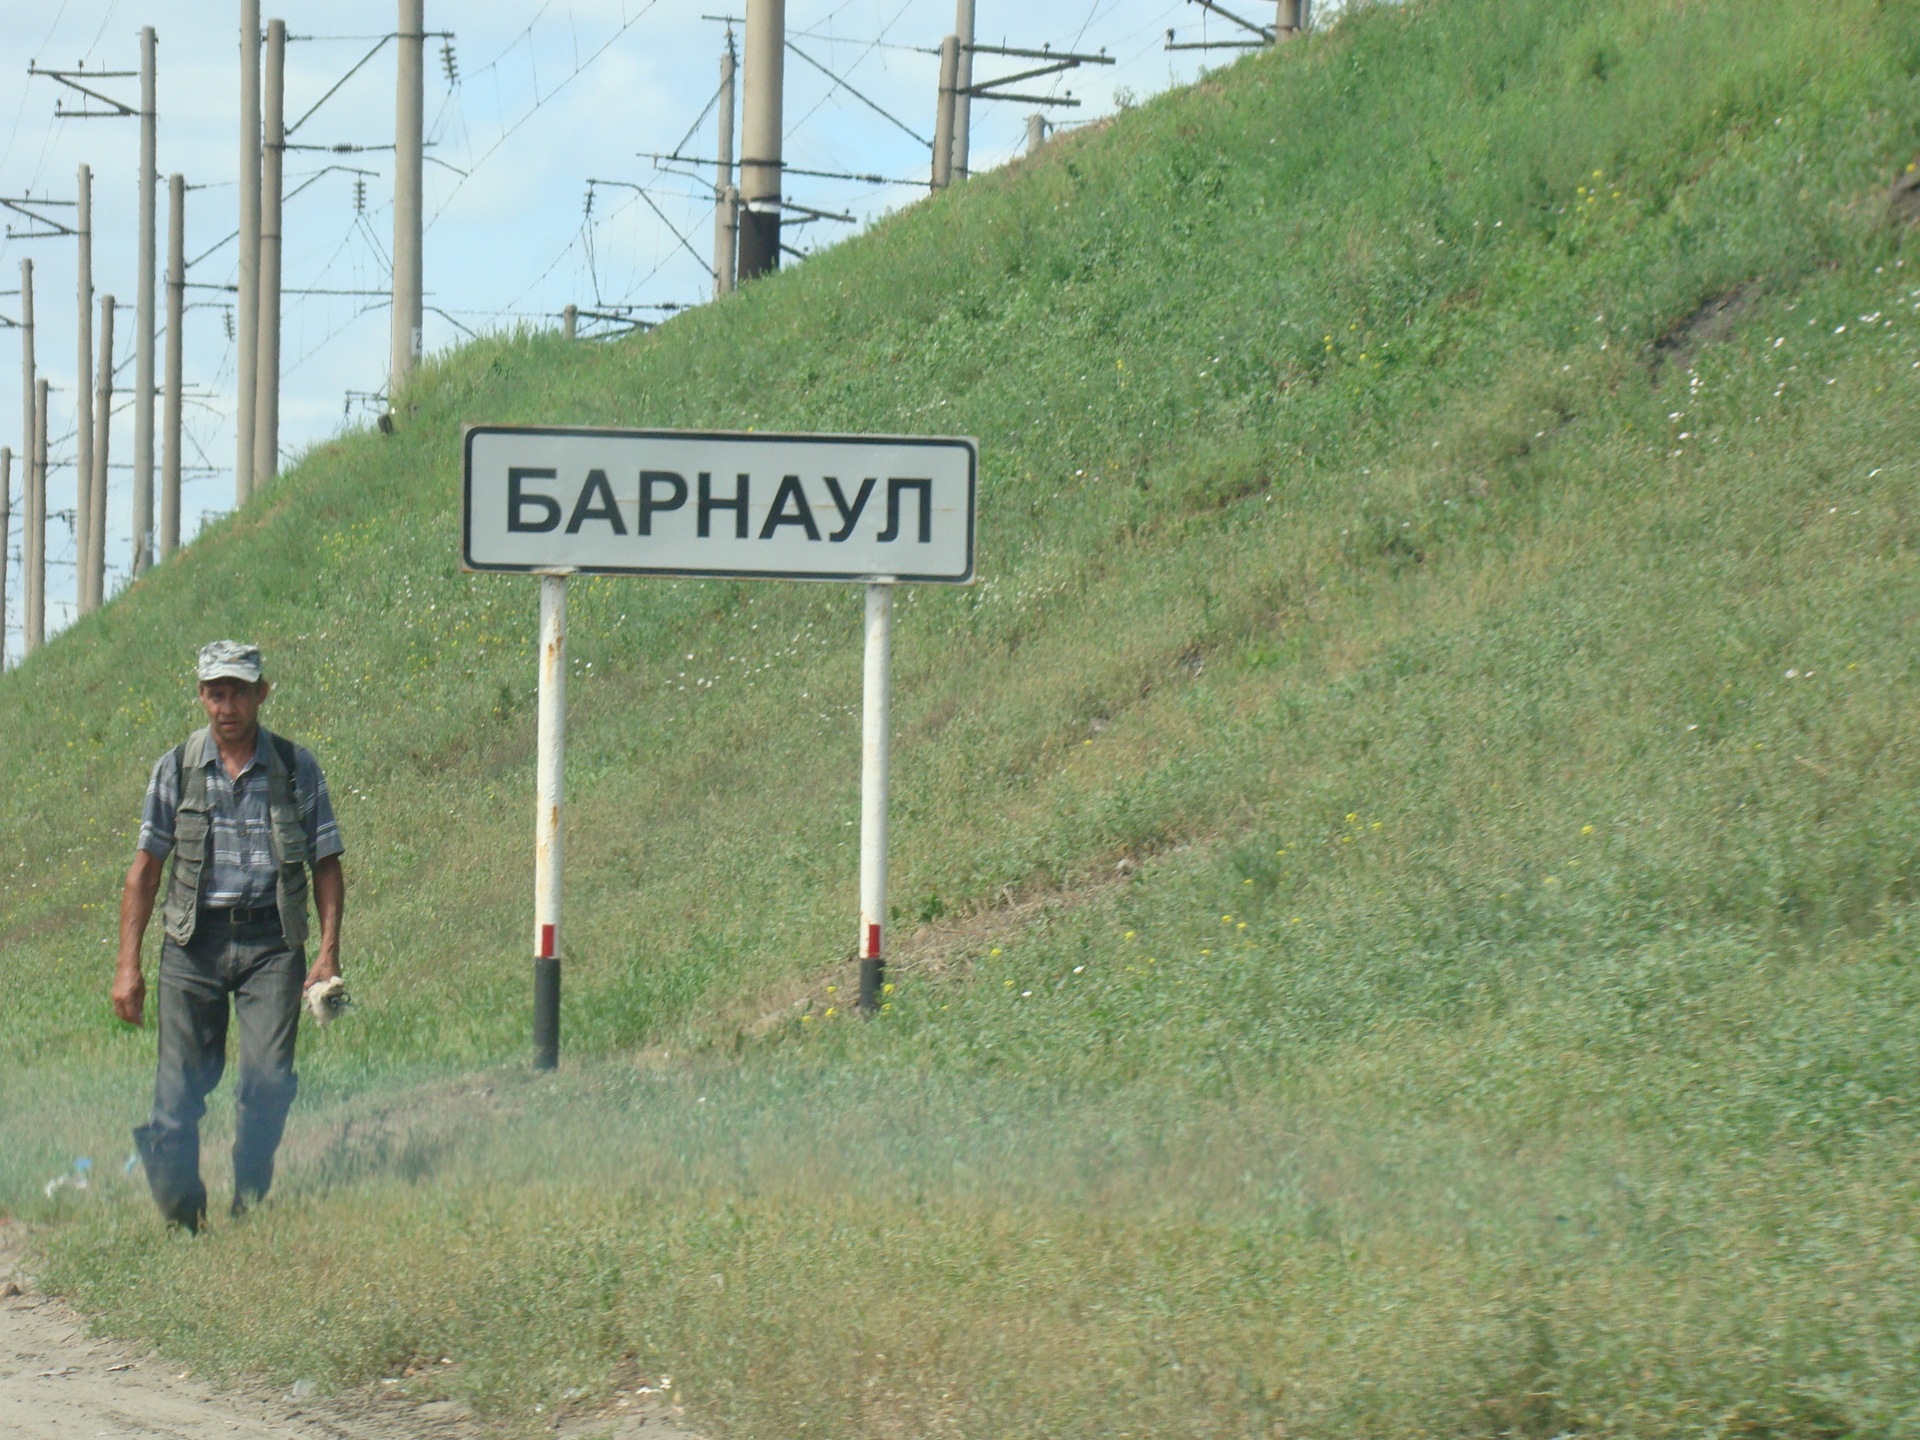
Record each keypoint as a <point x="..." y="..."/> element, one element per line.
<point x="682" y="502"/>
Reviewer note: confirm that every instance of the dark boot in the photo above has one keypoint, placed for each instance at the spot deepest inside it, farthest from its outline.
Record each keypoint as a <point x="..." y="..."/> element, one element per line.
<point x="171" y="1159"/>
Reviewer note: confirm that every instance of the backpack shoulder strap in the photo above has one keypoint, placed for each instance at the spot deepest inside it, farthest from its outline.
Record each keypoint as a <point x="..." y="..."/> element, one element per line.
<point x="288" y="754"/>
<point x="192" y="777"/>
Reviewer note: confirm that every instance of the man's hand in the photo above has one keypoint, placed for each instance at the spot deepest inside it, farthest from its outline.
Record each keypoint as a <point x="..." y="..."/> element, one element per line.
<point x="325" y="968"/>
<point x="129" y="991"/>
<point x="130" y="995"/>
<point x="329" y="900"/>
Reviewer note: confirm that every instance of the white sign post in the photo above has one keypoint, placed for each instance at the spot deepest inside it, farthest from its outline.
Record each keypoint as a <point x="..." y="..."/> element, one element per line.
<point x="549" y="796"/>
<point x="876" y="683"/>
<point x="877" y="509"/>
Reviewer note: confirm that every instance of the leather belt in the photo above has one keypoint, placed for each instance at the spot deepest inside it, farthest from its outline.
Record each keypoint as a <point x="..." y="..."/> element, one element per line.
<point x="239" y="915"/>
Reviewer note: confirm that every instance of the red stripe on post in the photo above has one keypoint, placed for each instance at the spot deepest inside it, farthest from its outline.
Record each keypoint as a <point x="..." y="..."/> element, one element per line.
<point x="873" y="941"/>
<point x="546" y="942"/>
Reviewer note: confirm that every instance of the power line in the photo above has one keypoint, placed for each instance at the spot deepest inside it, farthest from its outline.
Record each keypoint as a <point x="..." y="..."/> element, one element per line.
<point x="871" y="104"/>
<point x="6" y="154"/>
<point x="698" y="120"/>
<point x="537" y="104"/>
<point x="1079" y="35"/>
<point x="641" y="191"/>
<point x="679" y="159"/>
<point x="105" y="21"/>
<point x="545" y="6"/>
<point x="553" y="265"/>
<point x="872" y="45"/>
<point x="334" y="89"/>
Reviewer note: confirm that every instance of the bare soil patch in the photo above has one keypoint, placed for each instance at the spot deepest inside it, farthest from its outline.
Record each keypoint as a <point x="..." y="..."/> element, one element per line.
<point x="1710" y="320"/>
<point x="57" y="1381"/>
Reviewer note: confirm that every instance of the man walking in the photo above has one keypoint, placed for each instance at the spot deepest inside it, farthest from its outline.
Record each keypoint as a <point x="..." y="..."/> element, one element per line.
<point x="245" y="814"/>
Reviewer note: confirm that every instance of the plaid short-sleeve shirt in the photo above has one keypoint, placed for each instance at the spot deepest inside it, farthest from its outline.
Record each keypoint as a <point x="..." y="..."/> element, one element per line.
<point x="240" y="860"/>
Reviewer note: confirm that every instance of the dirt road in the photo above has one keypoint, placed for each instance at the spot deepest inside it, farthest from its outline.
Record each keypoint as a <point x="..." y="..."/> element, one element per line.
<point x="57" y="1384"/>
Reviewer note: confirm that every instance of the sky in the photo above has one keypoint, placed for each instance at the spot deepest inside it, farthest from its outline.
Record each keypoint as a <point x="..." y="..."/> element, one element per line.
<point x="526" y="102"/>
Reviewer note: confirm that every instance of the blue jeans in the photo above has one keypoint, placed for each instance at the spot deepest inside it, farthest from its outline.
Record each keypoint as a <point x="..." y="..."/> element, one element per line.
<point x="253" y="964"/>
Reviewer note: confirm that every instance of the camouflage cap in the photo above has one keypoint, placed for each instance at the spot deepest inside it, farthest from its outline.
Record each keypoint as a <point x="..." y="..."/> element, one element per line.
<point x="230" y="660"/>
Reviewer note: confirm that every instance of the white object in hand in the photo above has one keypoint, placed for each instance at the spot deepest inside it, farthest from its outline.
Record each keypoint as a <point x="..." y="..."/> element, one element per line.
<point x="326" y="999"/>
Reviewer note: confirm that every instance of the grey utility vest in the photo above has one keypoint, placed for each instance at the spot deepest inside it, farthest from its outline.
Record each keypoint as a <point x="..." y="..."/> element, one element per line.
<point x="193" y="836"/>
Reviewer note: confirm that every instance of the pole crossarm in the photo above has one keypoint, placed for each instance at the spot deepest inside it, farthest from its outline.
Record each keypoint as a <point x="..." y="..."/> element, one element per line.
<point x="641" y="191"/>
<point x="812" y="214"/>
<point x="623" y="315"/>
<point x="288" y="290"/>
<point x="457" y="324"/>
<point x="870" y="104"/>
<point x="1263" y="31"/>
<point x="118" y="110"/>
<point x="328" y="170"/>
<point x="334" y="89"/>
<point x="1173" y="44"/>
<point x="1058" y="63"/>
<point x="784" y="169"/>
<point x="983" y="90"/>
<point x="24" y="205"/>
<point x="1016" y="53"/>
<point x="1066" y="100"/>
<point x="622" y="309"/>
<point x="341" y="39"/>
<point x="217" y="245"/>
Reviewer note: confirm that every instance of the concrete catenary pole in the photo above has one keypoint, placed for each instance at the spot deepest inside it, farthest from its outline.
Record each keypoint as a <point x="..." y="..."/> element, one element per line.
<point x="962" y="83"/>
<point x="549" y="776"/>
<point x="247" y="310"/>
<point x="266" y="403"/>
<point x="408" y="125"/>
<point x="6" y="526"/>
<point x="1036" y="131"/>
<point x="943" y="113"/>
<point x="26" y="454"/>
<point x="26" y="381"/>
<point x="176" y="313"/>
<point x="730" y="265"/>
<point x="723" y="217"/>
<point x="1289" y="17"/>
<point x="37" y="526"/>
<point x="763" y="80"/>
<point x="143" y="321"/>
<point x="570" y="321"/>
<point x="83" y="395"/>
<point x="102" y="434"/>
<point x="874" y="746"/>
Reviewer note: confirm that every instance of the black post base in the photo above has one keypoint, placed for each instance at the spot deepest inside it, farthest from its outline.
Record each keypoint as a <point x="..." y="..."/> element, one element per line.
<point x="546" y="1014"/>
<point x="872" y="971"/>
<point x="759" y="242"/>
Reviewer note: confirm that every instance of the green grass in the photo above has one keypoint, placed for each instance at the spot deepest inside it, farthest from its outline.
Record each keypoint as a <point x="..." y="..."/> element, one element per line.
<point x="1405" y="862"/>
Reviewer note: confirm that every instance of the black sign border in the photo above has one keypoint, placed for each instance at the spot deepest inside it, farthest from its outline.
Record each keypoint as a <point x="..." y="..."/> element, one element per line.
<point x="469" y="432"/>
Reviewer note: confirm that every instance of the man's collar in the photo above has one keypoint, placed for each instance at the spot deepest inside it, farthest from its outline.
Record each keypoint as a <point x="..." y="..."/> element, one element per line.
<point x="260" y="737"/>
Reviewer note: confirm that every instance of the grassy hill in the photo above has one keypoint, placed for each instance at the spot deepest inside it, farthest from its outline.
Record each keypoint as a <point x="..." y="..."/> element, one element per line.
<point x="1404" y="863"/>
